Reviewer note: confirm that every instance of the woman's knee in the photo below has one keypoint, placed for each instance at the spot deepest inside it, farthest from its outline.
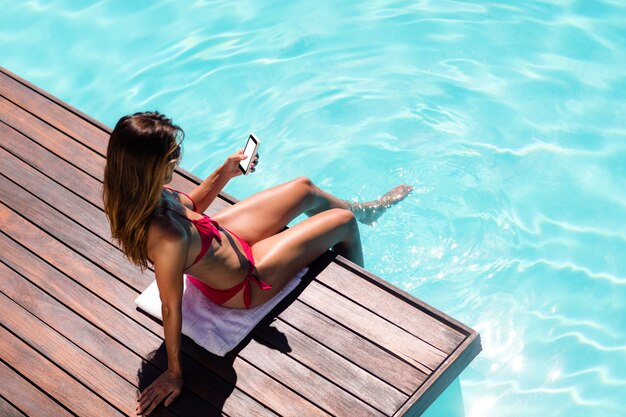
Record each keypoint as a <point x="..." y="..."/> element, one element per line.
<point x="305" y="187"/>
<point x="345" y="218"/>
<point x="304" y="182"/>
<point x="347" y="226"/>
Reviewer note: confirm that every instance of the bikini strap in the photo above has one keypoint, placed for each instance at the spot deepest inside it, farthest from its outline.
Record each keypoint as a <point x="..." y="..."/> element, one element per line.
<point x="195" y="208"/>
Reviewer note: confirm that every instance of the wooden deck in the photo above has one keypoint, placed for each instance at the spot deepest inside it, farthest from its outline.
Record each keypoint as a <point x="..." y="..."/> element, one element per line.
<point x="72" y="342"/>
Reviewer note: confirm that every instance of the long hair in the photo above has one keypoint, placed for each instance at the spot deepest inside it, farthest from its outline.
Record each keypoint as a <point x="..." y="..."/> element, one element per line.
<point x="138" y="153"/>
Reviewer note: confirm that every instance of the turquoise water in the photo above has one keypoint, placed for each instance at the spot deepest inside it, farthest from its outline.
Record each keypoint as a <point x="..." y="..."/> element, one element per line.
<point x="507" y="119"/>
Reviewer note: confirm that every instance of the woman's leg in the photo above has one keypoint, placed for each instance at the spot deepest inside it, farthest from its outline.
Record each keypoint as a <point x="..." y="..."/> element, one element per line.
<point x="279" y="257"/>
<point x="370" y="211"/>
<point x="266" y="213"/>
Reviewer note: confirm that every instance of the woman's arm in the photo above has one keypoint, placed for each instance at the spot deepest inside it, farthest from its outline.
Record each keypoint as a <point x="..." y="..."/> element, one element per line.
<point x="172" y="325"/>
<point x="204" y="194"/>
<point x="169" y="258"/>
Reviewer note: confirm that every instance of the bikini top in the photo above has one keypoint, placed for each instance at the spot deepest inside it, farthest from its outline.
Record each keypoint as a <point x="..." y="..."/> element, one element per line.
<point x="206" y="226"/>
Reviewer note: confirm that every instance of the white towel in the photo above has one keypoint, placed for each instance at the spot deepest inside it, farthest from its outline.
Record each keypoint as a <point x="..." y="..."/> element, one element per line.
<point x="217" y="329"/>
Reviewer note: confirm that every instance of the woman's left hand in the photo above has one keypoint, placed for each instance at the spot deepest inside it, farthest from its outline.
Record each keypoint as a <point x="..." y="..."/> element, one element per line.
<point x="166" y="387"/>
<point x="231" y="165"/>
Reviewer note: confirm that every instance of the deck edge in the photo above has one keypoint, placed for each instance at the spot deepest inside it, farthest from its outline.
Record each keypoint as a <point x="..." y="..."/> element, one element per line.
<point x="442" y="377"/>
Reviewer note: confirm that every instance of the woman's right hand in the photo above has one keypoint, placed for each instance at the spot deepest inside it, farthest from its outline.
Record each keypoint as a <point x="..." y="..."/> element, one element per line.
<point x="230" y="167"/>
<point x="168" y="385"/>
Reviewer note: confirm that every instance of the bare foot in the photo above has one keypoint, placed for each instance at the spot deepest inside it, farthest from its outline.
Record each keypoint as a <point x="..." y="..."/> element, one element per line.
<point x="370" y="211"/>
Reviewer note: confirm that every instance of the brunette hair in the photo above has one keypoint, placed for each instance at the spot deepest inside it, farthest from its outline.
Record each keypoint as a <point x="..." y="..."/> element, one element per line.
<point x="138" y="153"/>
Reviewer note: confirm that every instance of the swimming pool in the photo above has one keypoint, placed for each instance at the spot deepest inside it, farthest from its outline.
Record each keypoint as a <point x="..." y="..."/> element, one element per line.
<point x="508" y="120"/>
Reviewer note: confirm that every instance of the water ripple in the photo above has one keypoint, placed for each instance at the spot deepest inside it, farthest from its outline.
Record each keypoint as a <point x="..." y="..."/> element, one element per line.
<point x="582" y="339"/>
<point x="570" y="266"/>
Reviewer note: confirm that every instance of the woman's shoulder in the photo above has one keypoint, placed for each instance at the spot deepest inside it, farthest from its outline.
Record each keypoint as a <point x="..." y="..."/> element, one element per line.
<point x="164" y="240"/>
<point x="164" y="232"/>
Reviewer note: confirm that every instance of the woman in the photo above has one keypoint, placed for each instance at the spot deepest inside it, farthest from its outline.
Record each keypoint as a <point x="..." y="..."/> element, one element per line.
<point x="240" y="257"/>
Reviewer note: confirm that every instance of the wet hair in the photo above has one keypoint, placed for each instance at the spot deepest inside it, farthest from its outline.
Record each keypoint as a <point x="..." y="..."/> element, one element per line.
<point x="140" y="149"/>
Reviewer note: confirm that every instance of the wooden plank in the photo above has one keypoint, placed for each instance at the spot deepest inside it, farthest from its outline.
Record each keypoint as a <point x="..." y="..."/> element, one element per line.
<point x="404" y="296"/>
<point x="391" y="308"/>
<point x="50" y="378"/>
<point x="67" y="119"/>
<point x="139" y="341"/>
<point x="75" y="361"/>
<point x="89" y="276"/>
<point x="34" y="89"/>
<point x="62" y="145"/>
<point x="233" y="370"/>
<point x="188" y="405"/>
<point x="357" y="349"/>
<point x="54" y="194"/>
<point x="256" y="383"/>
<point x="26" y="396"/>
<point x="71" y="118"/>
<point x="66" y="174"/>
<point x="28" y="95"/>
<point x="72" y="234"/>
<point x="51" y="165"/>
<point x="360" y="383"/>
<point x="7" y="409"/>
<point x="24" y="121"/>
<point x="87" y="332"/>
<point x="92" y="340"/>
<point x="305" y="381"/>
<point x="353" y="316"/>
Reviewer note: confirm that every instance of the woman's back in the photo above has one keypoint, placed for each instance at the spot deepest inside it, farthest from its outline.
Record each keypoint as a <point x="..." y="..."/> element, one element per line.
<point x="213" y="255"/>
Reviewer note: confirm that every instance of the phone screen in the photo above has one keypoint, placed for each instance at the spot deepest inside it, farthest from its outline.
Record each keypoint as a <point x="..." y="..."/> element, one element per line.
<point x="249" y="152"/>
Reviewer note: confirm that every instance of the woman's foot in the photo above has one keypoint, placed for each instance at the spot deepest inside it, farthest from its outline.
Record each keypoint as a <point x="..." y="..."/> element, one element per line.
<point x="370" y="211"/>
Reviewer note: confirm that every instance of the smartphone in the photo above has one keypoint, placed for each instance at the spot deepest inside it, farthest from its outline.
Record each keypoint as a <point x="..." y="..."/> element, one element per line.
<point x="252" y="146"/>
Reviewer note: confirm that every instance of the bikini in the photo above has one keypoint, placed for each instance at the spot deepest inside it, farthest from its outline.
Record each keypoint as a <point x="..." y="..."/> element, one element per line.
<point x="208" y="230"/>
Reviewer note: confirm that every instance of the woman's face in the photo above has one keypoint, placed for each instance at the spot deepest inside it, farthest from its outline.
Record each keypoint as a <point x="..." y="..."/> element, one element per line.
<point x="169" y="173"/>
<point x="171" y="165"/>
